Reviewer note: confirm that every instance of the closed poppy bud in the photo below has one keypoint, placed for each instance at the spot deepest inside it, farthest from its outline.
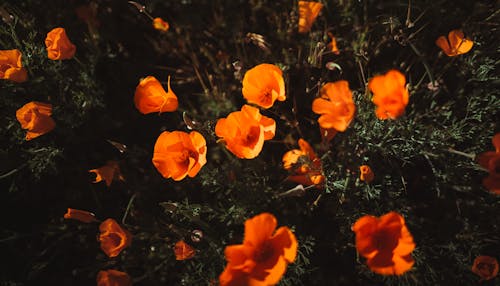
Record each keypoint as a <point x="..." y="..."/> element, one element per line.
<point x="113" y="278"/>
<point x="308" y="12"/>
<point x="11" y="66"/>
<point x="366" y="174"/>
<point x="183" y="251"/>
<point x="456" y="44"/>
<point x="335" y="105"/>
<point x="160" y="24"/>
<point x="83" y="216"/>
<point x="113" y="237"/>
<point x="151" y="97"/>
<point x="333" y="44"/>
<point x="35" y="117"/>
<point x="486" y="267"/>
<point x="108" y="173"/>
<point x="389" y="94"/>
<point x="59" y="47"/>
<point x="491" y="161"/>
<point x="264" y="84"/>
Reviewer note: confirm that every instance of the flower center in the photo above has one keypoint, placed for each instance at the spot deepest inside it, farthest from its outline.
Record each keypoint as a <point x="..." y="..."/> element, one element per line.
<point x="265" y="252"/>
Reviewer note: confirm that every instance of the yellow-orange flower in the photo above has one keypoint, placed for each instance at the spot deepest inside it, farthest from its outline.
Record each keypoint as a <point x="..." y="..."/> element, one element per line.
<point x="151" y="97"/>
<point x="35" y="117"/>
<point x="308" y="12"/>
<point x="113" y="278"/>
<point x="366" y="174"/>
<point x="263" y="85"/>
<point x="183" y="251"/>
<point x="304" y="165"/>
<point x="83" y="216"/>
<point x="113" y="237"/>
<point x="385" y="242"/>
<point x="335" y="105"/>
<point x="456" y="44"/>
<point x="108" y="173"/>
<point x="59" y="47"/>
<point x="160" y="24"/>
<point x="244" y="131"/>
<point x="389" y="94"/>
<point x="491" y="161"/>
<point x="333" y="44"/>
<point x="263" y="257"/>
<point x="11" y="66"/>
<point x="486" y="267"/>
<point x="178" y="154"/>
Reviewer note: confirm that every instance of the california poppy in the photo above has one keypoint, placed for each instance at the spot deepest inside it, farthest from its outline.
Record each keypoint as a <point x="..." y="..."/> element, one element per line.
<point x="263" y="257"/>
<point x="333" y="44"/>
<point x="385" y="242"/>
<point x="335" y="105"/>
<point x="486" y="267"/>
<point x="160" y="24"/>
<point x="491" y="161"/>
<point x="113" y="278"/>
<point x="35" y="117"/>
<point x="113" y="237"/>
<point x="304" y="164"/>
<point x="83" y="216"/>
<point x="308" y="11"/>
<point x="366" y="174"/>
<point x="183" y="251"/>
<point x="264" y="84"/>
<point x="178" y="154"/>
<point x="108" y="173"/>
<point x="150" y="96"/>
<point x="244" y="132"/>
<point x="389" y="94"/>
<point x="456" y="44"/>
<point x="11" y="66"/>
<point x="59" y="47"/>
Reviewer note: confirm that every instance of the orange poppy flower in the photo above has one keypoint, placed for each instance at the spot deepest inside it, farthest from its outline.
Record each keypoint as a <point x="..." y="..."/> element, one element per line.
<point x="385" y="242"/>
<point x="35" y="117"/>
<point x="108" y="173"/>
<point x="11" y="66"/>
<point x="486" y="267"/>
<point x="333" y="44"/>
<point x="335" y="105"/>
<point x="264" y="84"/>
<point x="304" y="164"/>
<point x="263" y="257"/>
<point x="113" y="237"/>
<point x="456" y="44"/>
<point x="59" y="47"/>
<point x="160" y="24"/>
<point x="389" y="94"/>
<point x="113" y="278"/>
<point x="178" y="154"/>
<point x="366" y="174"/>
<point x="150" y="96"/>
<point x="308" y="12"/>
<point x="83" y="216"/>
<point x="244" y="131"/>
<point x="183" y="250"/>
<point x="491" y="161"/>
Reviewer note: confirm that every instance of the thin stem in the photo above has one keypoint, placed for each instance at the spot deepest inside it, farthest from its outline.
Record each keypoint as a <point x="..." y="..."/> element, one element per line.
<point x="468" y="155"/>
<point x="129" y="205"/>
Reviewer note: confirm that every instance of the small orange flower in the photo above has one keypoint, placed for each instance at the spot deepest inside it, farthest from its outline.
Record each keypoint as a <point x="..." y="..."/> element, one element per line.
<point x="35" y="117"/>
<point x="308" y="11"/>
<point x="151" y="97"/>
<point x="11" y="66"/>
<point x="113" y="278"/>
<point x="335" y="105"/>
<point x="113" y="237"/>
<point x="183" y="251"/>
<point x="385" y="242"/>
<point x="486" y="267"/>
<point x="304" y="164"/>
<point x="178" y="154"/>
<point x="263" y="257"/>
<point x="264" y="84"/>
<point x="59" y="47"/>
<point x="333" y="44"/>
<point x="83" y="216"/>
<point x="366" y="174"/>
<point x="244" y="131"/>
<point x="108" y="173"/>
<point x="456" y="44"/>
<point x="389" y="94"/>
<point x="160" y="24"/>
<point x="491" y="161"/>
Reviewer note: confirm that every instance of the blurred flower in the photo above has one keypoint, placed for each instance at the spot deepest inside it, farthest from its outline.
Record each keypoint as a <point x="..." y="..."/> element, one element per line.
<point x="263" y="84"/>
<point x="113" y="237"/>
<point x="263" y="257"/>
<point x="11" y="66"/>
<point x="333" y="44"/>
<point x="486" y="267"/>
<point x="113" y="278"/>
<point x="108" y="173"/>
<point x="244" y="132"/>
<point x="456" y="44"/>
<point x="491" y="161"/>
<point x="335" y="106"/>
<point x="385" y="242"/>
<point x="366" y="174"/>
<point x="150" y="96"/>
<point x="83" y="216"/>
<point x="160" y="25"/>
<point x="308" y="11"/>
<point x="389" y="94"/>
<point x="59" y="47"/>
<point x="304" y="164"/>
<point x="35" y="117"/>
<point x="178" y="154"/>
<point x="183" y="251"/>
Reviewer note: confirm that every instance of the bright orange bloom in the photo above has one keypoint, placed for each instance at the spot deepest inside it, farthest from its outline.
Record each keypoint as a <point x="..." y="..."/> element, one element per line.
<point x="178" y="154"/>
<point x="113" y="278"/>
<point x="108" y="173"/>
<point x="385" y="242"/>
<point x="59" y="47"/>
<point x="244" y="131"/>
<point x="160" y="24"/>
<point x="308" y="11"/>
<point x="151" y="97"/>
<point x="83" y="216"/>
<point x="389" y="94"/>
<point x="491" y="161"/>
<point x="113" y="237"/>
<point x="304" y="164"/>
<point x="264" y="84"/>
<point x="366" y="174"/>
<point x="183" y="250"/>
<point x="486" y="267"/>
<point x="456" y="44"/>
<point x="264" y="255"/>
<point x="11" y="66"/>
<point x="335" y="105"/>
<point x="35" y="117"/>
<point x="333" y="44"/>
